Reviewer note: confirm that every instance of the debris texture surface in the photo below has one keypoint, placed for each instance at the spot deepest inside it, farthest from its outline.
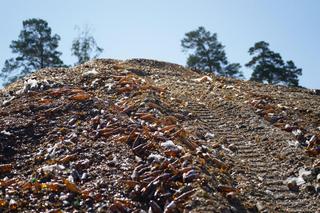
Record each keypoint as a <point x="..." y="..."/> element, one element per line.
<point x="149" y="136"/>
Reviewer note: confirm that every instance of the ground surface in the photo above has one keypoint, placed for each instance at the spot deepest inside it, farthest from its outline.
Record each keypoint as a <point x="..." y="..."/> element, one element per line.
<point x="143" y="135"/>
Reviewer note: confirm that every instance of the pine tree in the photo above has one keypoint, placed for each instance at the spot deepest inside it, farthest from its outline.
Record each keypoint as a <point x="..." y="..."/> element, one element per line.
<point x="268" y="66"/>
<point x="208" y="53"/>
<point x="36" y="48"/>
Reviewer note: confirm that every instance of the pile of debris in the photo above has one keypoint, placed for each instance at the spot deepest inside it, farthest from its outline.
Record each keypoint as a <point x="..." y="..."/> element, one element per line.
<point x="119" y="136"/>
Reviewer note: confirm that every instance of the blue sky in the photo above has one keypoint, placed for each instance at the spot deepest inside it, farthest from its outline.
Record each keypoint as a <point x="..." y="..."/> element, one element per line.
<point x="153" y="29"/>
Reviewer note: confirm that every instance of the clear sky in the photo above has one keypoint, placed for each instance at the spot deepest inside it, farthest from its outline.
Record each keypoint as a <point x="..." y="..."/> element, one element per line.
<point x="153" y="28"/>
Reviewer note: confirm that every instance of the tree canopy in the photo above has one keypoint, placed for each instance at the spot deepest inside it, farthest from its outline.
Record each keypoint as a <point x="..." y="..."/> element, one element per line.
<point x="84" y="47"/>
<point x="269" y="67"/>
<point x="208" y="53"/>
<point x="35" y="47"/>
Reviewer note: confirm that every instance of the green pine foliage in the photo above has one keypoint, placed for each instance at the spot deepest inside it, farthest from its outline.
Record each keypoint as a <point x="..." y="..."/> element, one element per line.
<point x="269" y="67"/>
<point x="35" y="48"/>
<point x="207" y="53"/>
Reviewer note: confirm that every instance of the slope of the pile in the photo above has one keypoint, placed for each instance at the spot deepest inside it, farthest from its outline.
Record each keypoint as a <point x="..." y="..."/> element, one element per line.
<point x="271" y="135"/>
<point x="104" y="136"/>
<point x="144" y="135"/>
